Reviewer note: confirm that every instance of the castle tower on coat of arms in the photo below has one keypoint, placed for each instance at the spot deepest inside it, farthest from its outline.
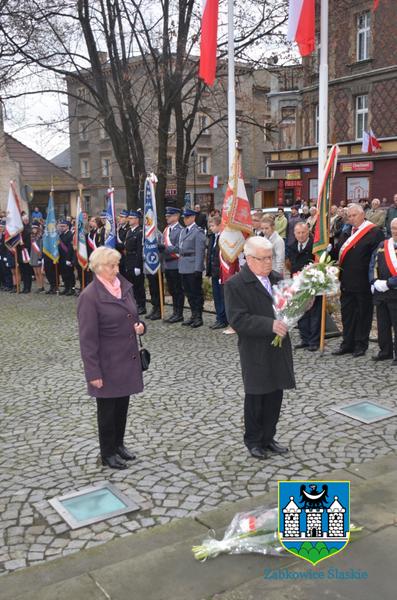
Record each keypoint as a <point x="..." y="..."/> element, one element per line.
<point x="291" y="519"/>
<point x="335" y="519"/>
<point x="316" y="527"/>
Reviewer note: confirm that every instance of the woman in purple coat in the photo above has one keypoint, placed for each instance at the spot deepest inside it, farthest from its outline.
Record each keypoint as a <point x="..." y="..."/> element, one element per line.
<point x="108" y="327"/>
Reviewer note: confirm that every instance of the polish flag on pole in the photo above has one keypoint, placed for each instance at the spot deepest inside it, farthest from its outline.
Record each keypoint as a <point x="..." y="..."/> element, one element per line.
<point x="301" y="25"/>
<point x="370" y="143"/>
<point x="214" y="182"/>
<point x="209" y="40"/>
<point x="376" y="4"/>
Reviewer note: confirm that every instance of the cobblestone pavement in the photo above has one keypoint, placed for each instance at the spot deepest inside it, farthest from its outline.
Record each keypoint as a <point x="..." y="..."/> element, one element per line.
<point x="186" y="427"/>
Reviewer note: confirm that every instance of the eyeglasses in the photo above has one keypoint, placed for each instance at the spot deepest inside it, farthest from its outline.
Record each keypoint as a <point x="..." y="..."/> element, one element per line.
<point x="264" y="259"/>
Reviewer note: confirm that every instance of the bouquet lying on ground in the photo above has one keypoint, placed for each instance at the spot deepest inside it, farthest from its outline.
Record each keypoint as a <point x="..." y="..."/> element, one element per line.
<point x="255" y="531"/>
<point x="293" y="297"/>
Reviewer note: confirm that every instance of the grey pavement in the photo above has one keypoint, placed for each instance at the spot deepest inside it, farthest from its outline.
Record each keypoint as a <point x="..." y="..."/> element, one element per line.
<point x="186" y="429"/>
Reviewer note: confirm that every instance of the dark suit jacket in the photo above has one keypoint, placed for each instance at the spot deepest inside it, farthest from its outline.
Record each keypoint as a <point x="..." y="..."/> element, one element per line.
<point x="249" y="310"/>
<point x="133" y="249"/>
<point x="300" y="259"/>
<point x="213" y="265"/>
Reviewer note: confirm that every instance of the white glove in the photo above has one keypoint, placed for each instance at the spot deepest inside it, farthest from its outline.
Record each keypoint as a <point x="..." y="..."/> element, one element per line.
<point x="381" y="285"/>
<point x="68" y="263"/>
<point x="372" y="288"/>
<point x="137" y="272"/>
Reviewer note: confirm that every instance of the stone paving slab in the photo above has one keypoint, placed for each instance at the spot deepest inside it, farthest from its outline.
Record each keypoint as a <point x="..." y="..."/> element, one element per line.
<point x="186" y="428"/>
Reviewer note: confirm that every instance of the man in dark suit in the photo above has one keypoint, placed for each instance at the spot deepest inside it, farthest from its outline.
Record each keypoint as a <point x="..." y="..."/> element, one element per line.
<point x="300" y="254"/>
<point x="355" y="249"/>
<point x="266" y="370"/>
<point x="213" y="270"/>
<point x="134" y="260"/>
<point x="66" y="258"/>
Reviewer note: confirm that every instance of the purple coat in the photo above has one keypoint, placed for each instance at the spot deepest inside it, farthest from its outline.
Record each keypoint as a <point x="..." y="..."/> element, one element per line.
<point x="108" y="342"/>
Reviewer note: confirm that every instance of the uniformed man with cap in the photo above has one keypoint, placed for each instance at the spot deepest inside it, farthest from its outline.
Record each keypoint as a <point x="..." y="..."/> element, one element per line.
<point x="134" y="260"/>
<point x="170" y="248"/>
<point x="191" y="266"/>
<point x="66" y="258"/>
<point x="122" y="230"/>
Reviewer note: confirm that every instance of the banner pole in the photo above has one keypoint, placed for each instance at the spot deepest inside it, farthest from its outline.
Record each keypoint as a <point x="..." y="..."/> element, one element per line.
<point x="17" y="279"/>
<point x="161" y="291"/>
<point x="56" y="277"/>
<point x="82" y="278"/>
<point x="323" y="323"/>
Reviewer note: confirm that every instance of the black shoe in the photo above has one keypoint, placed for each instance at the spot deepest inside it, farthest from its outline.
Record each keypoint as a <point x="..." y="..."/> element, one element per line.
<point x="313" y="348"/>
<point x="218" y="326"/>
<point x="114" y="462"/>
<point x="198" y="322"/>
<point x="275" y="447"/>
<point x="358" y="353"/>
<point x="174" y="319"/>
<point x="125" y="453"/>
<point x="258" y="453"/>
<point x="51" y="291"/>
<point x="380" y="357"/>
<point x="40" y="290"/>
<point x="341" y="351"/>
<point x="142" y="310"/>
<point x="70" y="292"/>
<point x="64" y="292"/>
<point x="300" y="346"/>
<point x="13" y="290"/>
<point x="25" y="292"/>
<point x="155" y="315"/>
<point x="188" y="322"/>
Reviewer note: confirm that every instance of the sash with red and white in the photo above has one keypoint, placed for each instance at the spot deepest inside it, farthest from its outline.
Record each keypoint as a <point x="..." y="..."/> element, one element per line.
<point x="91" y="242"/>
<point x="390" y="256"/>
<point x="167" y="242"/>
<point x="36" y="247"/>
<point x="353" y="239"/>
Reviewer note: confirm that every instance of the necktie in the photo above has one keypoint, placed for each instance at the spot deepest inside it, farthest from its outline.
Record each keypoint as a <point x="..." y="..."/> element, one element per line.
<point x="300" y="247"/>
<point x="354" y="229"/>
<point x="267" y="285"/>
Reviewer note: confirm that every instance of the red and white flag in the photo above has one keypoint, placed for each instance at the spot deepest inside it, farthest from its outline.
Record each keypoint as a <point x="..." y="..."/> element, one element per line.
<point x="370" y="143"/>
<point x="376" y="4"/>
<point x="214" y="182"/>
<point x="209" y="40"/>
<point x="301" y="25"/>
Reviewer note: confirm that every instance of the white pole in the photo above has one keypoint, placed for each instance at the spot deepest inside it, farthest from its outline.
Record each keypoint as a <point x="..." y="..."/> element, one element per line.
<point x="323" y="92"/>
<point x="231" y="92"/>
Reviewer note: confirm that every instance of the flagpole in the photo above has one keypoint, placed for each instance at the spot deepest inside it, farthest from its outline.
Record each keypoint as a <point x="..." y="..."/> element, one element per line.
<point x="323" y="128"/>
<point x="231" y="90"/>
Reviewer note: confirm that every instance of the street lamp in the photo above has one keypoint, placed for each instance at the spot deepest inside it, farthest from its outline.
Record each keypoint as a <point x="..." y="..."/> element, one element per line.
<point x="194" y="157"/>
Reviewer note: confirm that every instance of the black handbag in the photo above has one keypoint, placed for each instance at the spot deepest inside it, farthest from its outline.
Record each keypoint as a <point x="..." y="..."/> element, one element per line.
<point x="144" y="355"/>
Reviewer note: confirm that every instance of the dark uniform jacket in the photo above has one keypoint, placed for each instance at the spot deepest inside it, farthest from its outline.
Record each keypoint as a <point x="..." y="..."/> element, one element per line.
<point x="66" y="252"/>
<point x="249" y="310"/>
<point x="378" y="269"/>
<point x="300" y="259"/>
<point x="355" y="267"/>
<point x="133" y="249"/>
<point x="213" y="266"/>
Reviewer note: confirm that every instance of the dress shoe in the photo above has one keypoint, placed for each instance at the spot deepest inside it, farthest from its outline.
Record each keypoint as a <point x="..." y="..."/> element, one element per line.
<point x="70" y="292"/>
<point x="380" y="357"/>
<point x="341" y="351"/>
<point x="188" y="322"/>
<point x="125" y="453"/>
<point x="359" y="353"/>
<point x="51" y="291"/>
<point x="174" y="319"/>
<point x="300" y="346"/>
<point x="218" y="326"/>
<point x="275" y="447"/>
<point x="39" y="290"/>
<point x="142" y="310"/>
<point x="155" y="315"/>
<point x="313" y="348"/>
<point x="25" y="291"/>
<point x="198" y="322"/>
<point x="114" y="462"/>
<point x="258" y="453"/>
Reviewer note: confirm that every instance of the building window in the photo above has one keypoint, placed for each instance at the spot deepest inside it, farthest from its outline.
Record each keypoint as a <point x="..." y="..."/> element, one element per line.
<point x="316" y="124"/>
<point x="267" y="131"/>
<point x="106" y="167"/>
<point x="103" y="134"/>
<point x="84" y="167"/>
<point x="87" y="203"/>
<point x="361" y="115"/>
<point x="203" y="122"/>
<point x="203" y="164"/>
<point x="83" y="94"/>
<point x="170" y="165"/>
<point x="83" y="137"/>
<point x="287" y="127"/>
<point x="363" y="35"/>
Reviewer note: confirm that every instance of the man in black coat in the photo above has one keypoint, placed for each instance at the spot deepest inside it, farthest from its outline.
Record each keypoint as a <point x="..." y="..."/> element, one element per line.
<point x="300" y="254"/>
<point x="134" y="260"/>
<point x="23" y="255"/>
<point x="213" y="270"/>
<point x="266" y="370"/>
<point x="355" y="249"/>
<point x="66" y="258"/>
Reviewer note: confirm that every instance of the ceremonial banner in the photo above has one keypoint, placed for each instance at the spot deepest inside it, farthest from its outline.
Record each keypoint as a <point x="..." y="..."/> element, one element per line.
<point x="301" y="25"/>
<point x="209" y="40"/>
<point x="110" y="221"/>
<point x="236" y="222"/>
<point x="51" y="236"/>
<point x="151" y="256"/>
<point x="321" y="232"/>
<point x="14" y="224"/>
<point x="79" y="239"/>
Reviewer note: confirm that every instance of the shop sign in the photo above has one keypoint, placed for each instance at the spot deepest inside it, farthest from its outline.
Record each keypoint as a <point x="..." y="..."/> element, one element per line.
<point x="293" y="184"/>
<point x="293" y="174"/>
<point x="353" y="167"/>
<point x="170" y="192"/>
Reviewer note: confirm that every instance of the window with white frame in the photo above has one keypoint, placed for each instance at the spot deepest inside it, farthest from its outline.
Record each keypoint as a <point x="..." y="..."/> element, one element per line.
<point x="316" y="124"/>
<point x="170" y="165"/>
<point x="84" y="167"/>
<point x="203" y="122"/>
<point x="363" y="35"/>
<point x="87" y="203"/>
<point x="203" y="164"/>
<point x="267" y="131"/>
<point x="106" y="166"/>
<point x="83" y="131"/>
<point x="103" y="134"/>
<point x="361" y="115"/>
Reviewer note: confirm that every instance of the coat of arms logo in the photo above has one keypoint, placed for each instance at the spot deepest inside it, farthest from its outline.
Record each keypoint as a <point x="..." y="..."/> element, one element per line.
<point x="314" y="518"/>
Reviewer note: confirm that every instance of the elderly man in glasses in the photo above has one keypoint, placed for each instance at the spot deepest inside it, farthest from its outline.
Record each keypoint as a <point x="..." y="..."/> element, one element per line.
<point x="266" y="370"/>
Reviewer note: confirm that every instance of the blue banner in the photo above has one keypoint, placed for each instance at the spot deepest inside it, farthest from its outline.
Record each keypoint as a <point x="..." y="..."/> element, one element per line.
<point x="151" y="258"/>
<point x="110" y="223"/>
<point x="51" y="236"/>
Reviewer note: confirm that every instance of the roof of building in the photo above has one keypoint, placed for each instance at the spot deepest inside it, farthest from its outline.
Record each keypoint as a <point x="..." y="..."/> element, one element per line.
<point x="336" y="506"/>
<point x="37" y="171"/>
<point x="63" y="159"/>
<point x="292" y="506"/>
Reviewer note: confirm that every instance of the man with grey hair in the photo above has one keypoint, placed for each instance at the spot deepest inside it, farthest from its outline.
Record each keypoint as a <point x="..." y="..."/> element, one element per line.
<point x="266" y="370"/>
<point x="354" y="251"/>
<point x="376" y="214"/>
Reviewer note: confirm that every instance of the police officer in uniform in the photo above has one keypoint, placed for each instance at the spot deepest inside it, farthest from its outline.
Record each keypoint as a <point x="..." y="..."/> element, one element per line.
<point x="121" y="235"/>
<point x="5" y="270"/>
<point x="383" y="279"/>
<point x="191" y="266"/>
<point x="134" y="260"/>
<point x="170" y="249"/>
<point x="66" y="258"/>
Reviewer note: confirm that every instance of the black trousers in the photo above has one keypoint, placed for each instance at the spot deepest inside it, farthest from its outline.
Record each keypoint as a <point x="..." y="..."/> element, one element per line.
<point x="192" y="284"/>
<point x="386" y="317"/>
<point x="261" y="414"/>
<point x="357" y="311"/>
<point x="138" y="283"/>
<point x="174" y="284"/>
<point x="112" y="418"/>
<point x="309" y="325"/>
<point x="26" y="275"/>
<point x="50" y="272"/>
<point x="67" y="274"/>
<point x="154" y="290"/>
